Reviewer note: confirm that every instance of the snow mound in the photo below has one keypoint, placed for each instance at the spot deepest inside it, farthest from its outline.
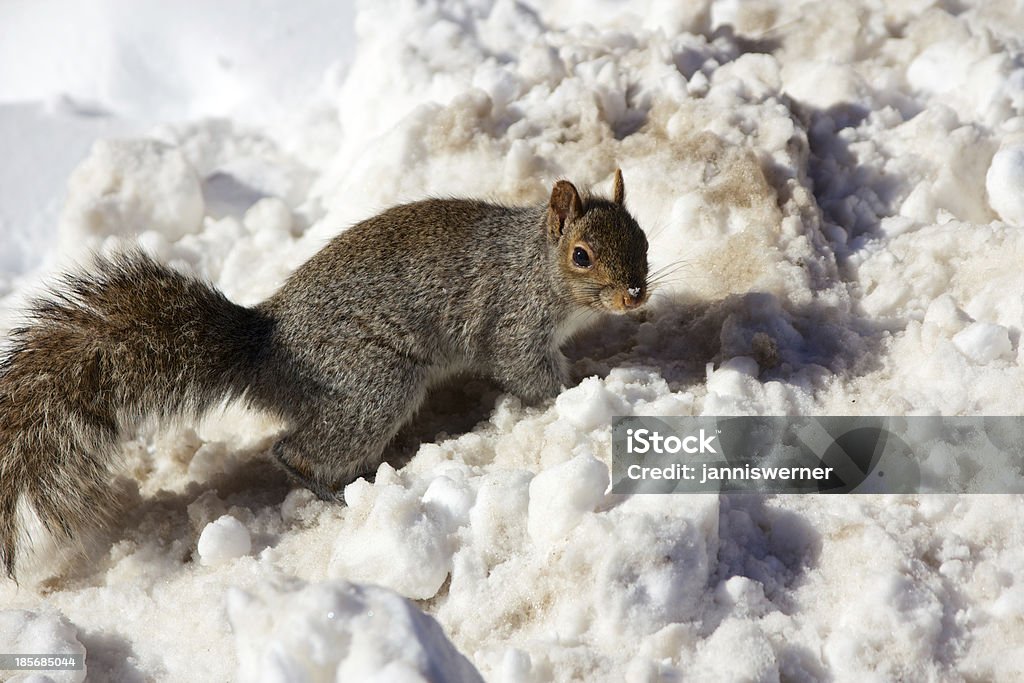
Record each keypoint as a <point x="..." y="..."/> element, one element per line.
<point x="340" y="631"/>
<point x="125" y="184"/>
<point x="35" y="632"/>
<point x="832" y="193"/>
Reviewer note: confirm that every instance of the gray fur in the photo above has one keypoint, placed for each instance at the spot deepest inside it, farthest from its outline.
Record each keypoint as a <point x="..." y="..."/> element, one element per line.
<point x="344" y="352"/>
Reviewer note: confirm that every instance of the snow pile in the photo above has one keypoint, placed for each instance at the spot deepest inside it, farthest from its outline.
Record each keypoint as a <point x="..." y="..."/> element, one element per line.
<point x="339" y="631"/>
<point x="94" y="70"/>
<point x="834" y="190"/>
<point x="130" y="183"/>
<point x="41" y="632"/>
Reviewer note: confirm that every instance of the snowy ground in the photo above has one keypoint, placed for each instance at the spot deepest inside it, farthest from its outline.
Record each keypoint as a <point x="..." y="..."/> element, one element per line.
<point x="844" y="184"/>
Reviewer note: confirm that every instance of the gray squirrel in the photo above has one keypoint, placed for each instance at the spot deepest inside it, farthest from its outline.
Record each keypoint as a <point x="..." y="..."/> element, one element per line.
<point x="343" y="352"/>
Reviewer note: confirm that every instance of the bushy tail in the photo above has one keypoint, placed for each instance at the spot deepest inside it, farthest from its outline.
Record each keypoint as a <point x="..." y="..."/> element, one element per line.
<point x="127" y="340"/>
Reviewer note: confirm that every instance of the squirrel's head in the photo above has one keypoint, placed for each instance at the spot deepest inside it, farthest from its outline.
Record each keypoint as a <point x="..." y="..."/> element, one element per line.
<point x="602" y="252"/>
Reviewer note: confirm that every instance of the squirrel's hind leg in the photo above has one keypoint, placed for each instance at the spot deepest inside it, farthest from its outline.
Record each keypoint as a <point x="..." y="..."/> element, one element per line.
<point x="342" y="434"/>
<point x="287" y="453"/>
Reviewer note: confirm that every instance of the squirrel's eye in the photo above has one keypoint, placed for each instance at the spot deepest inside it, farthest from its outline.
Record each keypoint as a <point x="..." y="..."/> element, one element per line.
<point x="580" y="257"/>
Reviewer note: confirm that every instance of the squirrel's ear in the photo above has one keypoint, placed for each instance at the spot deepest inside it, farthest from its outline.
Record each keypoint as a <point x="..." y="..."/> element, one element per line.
<point x="620" y="190"/>
<point x="565" y="205"/>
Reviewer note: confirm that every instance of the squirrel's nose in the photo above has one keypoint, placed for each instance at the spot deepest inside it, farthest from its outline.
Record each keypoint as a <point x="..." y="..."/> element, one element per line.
<point x="633" y="297"/>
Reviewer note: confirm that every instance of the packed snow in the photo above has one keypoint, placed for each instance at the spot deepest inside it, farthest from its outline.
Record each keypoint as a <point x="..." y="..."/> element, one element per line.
<point x="836" y="192"/>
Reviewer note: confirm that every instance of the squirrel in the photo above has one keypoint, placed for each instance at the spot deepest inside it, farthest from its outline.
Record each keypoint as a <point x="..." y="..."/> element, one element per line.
<point x="343" y="352"/>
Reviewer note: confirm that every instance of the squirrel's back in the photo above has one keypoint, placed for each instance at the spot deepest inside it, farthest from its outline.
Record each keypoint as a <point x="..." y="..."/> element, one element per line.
<point x="456" y="266"/>
<point x="105" y="351"/>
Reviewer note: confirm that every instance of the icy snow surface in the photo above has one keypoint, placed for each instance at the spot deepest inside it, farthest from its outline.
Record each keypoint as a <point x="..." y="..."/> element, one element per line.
<point x="837" y="189"/>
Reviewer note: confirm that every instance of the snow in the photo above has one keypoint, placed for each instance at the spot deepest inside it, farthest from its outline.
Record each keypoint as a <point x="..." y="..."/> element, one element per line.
<point x="562" y="495"/>
<point x="42" y="632"/>
<point x="832" y="191"/>
<point x="399" y="538"/>
<point x="222" y="540"/>
<point x="337" y="630"/>
<point x="124" y="184"/>
<point x="42" y="142"/>
<point x="983" y="342"/>
<point x="588" y="405"/>
<point x="1005" y="184"/>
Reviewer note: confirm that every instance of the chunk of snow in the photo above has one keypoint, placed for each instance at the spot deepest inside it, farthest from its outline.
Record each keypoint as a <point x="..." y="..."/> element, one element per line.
<point x="223" y="539"/>
<point x="1005" y="184"/>
<point x="983" y="342"/>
